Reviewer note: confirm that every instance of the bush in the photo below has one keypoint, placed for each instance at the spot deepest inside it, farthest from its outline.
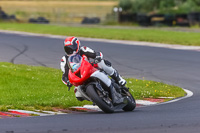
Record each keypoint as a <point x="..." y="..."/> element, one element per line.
<point x="160" y="6"/>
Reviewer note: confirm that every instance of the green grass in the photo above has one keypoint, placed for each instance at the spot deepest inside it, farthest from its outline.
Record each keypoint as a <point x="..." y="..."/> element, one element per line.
<point x="30" y="87"/>
<point x="24" y="86"/>
<point x="149" y="35"/>
<point x="151" y="89"/>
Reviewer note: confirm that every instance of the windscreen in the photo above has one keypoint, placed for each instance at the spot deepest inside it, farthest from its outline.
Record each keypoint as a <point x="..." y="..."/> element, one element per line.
<point x="75" y="61"/>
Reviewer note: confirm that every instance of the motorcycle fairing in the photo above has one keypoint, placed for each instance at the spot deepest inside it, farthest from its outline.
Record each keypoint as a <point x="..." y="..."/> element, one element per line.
<point x="103" y="77"/>
<point x="81" y="74"/>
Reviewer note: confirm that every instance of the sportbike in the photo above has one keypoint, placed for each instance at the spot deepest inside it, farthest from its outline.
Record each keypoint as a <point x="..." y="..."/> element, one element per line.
<point x="93" y="86"/>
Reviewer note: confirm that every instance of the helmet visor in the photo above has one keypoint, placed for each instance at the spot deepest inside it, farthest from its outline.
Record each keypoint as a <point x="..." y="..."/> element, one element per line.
<point x="70" y="49"/>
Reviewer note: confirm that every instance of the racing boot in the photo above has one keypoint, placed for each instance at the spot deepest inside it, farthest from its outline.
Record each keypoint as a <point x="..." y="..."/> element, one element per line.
<point x="116" y="97"/>
<point x="118" y="78"/>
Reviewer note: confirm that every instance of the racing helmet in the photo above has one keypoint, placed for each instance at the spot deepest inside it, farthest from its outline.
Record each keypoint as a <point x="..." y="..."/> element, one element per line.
<point x="71" y="46"/>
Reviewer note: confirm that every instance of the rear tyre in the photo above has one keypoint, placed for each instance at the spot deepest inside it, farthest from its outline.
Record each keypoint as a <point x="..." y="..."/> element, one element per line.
<point x="98" y="100"/>
<point x="131" y="102"/>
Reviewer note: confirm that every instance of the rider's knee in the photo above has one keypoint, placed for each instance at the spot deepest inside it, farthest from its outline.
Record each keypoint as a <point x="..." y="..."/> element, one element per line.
<point x="106" y="66"/>
<point x="104" y="63"/>
<point x="108" y="63"/>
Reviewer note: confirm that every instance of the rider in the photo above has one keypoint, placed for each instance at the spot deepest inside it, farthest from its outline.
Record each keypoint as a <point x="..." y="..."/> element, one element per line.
<point x="72" y="47"/>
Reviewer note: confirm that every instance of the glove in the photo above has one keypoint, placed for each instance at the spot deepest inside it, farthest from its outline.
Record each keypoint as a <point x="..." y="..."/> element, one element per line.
<point x="97" y="60"/>
<point x="66" y="81"/>
<point x="99" y="57"/>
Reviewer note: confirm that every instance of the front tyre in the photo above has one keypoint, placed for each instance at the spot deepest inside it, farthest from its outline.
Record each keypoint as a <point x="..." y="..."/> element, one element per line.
<point x="92" y="93"/>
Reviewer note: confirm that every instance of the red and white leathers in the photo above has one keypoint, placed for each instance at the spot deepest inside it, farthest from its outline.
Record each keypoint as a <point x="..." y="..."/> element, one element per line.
<point x="98" y="59"/>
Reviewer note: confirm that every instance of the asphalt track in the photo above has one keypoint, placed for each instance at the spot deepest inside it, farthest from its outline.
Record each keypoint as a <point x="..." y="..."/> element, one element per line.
<point x="177" y="67"/>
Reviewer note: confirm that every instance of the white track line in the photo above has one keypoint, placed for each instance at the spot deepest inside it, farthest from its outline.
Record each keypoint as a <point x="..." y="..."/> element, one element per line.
<point x="146" y="103"/>
<point x="189" y="94"/>
<point x="124" y="42"/>
<point x="30" y="112"/>
<point x="38" y="112"/>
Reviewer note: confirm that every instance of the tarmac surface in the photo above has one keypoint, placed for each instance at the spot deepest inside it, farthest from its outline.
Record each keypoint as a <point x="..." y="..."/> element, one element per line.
<point x="173" y="66"/>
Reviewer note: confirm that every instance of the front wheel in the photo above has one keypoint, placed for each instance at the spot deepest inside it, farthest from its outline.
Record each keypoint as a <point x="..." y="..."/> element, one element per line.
<point x="96" y="98"/>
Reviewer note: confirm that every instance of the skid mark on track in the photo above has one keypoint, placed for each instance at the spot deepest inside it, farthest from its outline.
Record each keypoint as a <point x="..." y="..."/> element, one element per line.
<point x="25" y="48"/>
<point x="22" y="52"/>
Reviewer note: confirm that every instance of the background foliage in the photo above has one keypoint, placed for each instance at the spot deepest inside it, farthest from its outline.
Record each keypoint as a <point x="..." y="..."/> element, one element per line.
<point x="160" y="6"/>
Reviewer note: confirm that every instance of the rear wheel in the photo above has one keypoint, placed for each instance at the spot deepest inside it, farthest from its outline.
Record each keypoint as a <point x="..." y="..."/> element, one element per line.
<point x="131" y="101"/>
<point x="102" y="102"/>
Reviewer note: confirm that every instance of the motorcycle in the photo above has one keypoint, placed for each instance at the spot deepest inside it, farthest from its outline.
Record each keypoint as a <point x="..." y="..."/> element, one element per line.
<point x="93" y="86"/>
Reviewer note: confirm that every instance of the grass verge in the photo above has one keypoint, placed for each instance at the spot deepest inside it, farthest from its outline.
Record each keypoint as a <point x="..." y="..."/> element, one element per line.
<point x="149" y="35"/>
<point x="30" y="88"/>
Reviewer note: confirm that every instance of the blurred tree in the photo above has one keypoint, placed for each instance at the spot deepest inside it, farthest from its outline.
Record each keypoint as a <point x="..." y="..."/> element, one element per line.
<point x="125" y="5"/>
<point x="189" y="6"/>
<point x="167" y="6"/>
<point x="164" y="6"/>
<point x="197" y="2"/>
<point x="145" y="5"/>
